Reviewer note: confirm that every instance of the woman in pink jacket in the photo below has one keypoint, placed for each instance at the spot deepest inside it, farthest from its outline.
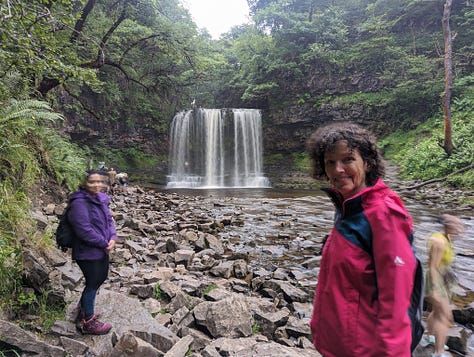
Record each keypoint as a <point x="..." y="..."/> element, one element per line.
<point x="367" y="269"/>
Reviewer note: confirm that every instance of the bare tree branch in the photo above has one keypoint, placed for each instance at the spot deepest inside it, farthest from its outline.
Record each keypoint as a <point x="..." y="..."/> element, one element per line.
<point x="424" y="183"/>
<point x="81" y="21"/>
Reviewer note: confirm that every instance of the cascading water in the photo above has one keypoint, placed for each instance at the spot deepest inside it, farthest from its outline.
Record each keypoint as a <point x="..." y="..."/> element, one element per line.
<point x="216" y="148"/>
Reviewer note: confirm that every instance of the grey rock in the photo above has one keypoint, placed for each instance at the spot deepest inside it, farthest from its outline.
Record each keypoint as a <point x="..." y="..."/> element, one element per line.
<point x="26" y="341"/>
<point x="181" y="347"/>
<point x="229" y="317"/>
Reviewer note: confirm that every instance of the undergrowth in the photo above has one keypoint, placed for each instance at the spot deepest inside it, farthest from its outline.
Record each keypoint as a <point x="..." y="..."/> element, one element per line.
<point x="30" y="150"/>
<point x="421" y="156"/>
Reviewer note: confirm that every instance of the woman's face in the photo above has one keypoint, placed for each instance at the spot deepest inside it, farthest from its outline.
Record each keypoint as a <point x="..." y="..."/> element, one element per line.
<point x="95" y="183"/>
<point x="345" y="169"/>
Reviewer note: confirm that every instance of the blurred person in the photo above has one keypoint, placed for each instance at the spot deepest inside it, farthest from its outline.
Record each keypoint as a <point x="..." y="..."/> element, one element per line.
<point x="439" y="282"/>
<point x="92" y="221"/>
<point x="111" y="180"/>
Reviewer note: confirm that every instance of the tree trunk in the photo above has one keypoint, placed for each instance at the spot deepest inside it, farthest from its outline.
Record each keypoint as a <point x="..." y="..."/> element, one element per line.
<point x="448" y="140"/>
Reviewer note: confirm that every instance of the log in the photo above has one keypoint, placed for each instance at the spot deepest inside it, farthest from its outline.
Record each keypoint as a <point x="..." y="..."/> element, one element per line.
<point x="439" y="179"/>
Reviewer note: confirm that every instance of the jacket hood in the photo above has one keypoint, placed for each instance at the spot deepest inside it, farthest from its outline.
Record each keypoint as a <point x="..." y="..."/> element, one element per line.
<point x="338" y="200"/>
<point x="100" y="198"/>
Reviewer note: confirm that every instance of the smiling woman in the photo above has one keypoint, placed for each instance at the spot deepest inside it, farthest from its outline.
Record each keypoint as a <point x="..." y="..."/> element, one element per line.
<point x="367" y="263"/>
<point x="217" y="16"/>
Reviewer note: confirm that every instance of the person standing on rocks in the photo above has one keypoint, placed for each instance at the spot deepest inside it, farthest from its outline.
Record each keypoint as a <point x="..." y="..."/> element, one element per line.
<point x="122" y="178"/>
<point x="111" y="180"/>
<point x="439" y="281"/>
<point x="91" y="219"/>
<point x="368" y="267"/>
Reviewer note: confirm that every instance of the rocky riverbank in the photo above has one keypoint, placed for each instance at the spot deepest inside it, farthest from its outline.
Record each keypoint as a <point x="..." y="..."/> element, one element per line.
<point x="178" y="288"/>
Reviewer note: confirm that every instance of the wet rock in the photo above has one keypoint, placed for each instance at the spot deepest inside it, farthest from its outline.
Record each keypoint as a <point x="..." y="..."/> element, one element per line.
<point x="457" y="339"/>
<point x="41" y="276"/>
<point x="41" y="219"/>
<point x="131" y="345"/>
<point x="74" y="347"/>
<point x="182" y="299"/>
<point x="291" y="292"/>
<point x="298" y="327"/>
<point x="270" y="321"/>
<point x="184" y="256"/>
<point x="26" y="342"/>
<point x="464" y="316"/>
<point x="142" y="291"/>
<point x="181" y="348"/>
<point x="224" y="269"/>
<point x="217" y="294"/>
<point x="229" y="317"/>
<point x="213" y="243"/>
<point x="179" y="315"/>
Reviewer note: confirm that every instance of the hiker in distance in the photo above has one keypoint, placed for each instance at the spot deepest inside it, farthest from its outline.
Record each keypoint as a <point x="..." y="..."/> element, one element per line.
<point x="91" y="219"/>
<point x="439" y="282"/>
<point x="368" y="267"/>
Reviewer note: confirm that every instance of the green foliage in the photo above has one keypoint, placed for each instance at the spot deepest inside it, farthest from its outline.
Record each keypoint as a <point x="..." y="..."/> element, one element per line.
<point x="301" y="161"/>
<point x="258" y="91"/>
<point x="13" y="207"/>
<point x="125" y="159"/>
<point x="10" y="267"/>
<point x="208" y="289"/>
<point x="46" y="313"/>
<point x="67" y="160"/>
<point x="29" y="150"/>
<point x="274" y="158"/>
<point x="34" y="42"/>
<point x="25" y="299"/>
<point x="157" y="293"/>
<point x="256" y="328"/>
<point x="29" y="145"/>
<point x="421" y="156"/>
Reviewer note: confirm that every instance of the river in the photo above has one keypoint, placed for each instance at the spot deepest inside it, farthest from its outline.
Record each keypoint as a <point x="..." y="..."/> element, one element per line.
<point x="284" y="228"/>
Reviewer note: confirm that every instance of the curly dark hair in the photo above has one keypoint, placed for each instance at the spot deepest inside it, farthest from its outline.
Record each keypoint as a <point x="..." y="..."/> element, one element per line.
<point x="325" y="138"/>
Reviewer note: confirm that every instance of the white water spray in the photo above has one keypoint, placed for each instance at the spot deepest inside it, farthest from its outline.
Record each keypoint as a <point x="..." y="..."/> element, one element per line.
<point x="216" y="148"/>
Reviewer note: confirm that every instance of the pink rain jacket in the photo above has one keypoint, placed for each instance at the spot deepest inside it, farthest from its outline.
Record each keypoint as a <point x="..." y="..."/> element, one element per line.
<point x="361" y="301"/>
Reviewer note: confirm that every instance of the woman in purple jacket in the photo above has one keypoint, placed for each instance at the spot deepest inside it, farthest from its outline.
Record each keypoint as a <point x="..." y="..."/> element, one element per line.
<point x="90" y="216"/>
<point x="368" y="267"/>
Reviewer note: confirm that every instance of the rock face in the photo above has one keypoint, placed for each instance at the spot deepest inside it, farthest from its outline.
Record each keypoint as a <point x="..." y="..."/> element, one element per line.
<point x="177" y="289"/>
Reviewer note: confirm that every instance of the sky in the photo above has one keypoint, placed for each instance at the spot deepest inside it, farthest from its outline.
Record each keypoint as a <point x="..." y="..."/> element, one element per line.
<point x="218" y="16"/>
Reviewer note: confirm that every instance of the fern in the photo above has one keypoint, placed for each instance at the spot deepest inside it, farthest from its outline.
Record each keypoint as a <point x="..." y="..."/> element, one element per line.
<point x="29" y="150"/>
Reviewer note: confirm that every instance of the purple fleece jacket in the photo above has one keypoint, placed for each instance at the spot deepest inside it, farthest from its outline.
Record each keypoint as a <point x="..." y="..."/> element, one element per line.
<point x="93" y="223"/>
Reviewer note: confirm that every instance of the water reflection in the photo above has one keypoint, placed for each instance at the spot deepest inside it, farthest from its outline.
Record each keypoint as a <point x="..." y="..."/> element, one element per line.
<point x="284" y="228"/>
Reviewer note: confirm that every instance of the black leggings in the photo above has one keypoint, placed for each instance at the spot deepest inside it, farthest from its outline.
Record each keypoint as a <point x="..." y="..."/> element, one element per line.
<point x="95" y="272"/>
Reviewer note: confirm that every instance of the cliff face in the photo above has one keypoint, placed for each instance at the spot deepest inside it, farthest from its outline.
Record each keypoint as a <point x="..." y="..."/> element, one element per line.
<point x="91" y="131"/>
<point x="291" y="120"/>
<point x="287" y="121"/>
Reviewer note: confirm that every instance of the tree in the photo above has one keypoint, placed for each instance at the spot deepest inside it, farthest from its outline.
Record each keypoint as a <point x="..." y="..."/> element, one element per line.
<point x="62" y="42"/>
<point x="448" y="141"/>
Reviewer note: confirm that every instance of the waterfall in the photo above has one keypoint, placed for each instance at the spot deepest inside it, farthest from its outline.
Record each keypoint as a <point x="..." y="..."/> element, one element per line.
<point x="216" y="148"/>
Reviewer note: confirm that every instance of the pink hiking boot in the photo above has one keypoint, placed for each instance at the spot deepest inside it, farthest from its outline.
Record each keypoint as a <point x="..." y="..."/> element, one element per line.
<point x="80" y="317"/>
<point x="95" y="327"/>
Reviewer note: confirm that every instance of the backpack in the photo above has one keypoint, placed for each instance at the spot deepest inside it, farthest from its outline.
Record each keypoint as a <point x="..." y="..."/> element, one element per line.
<point x="65" y="235"/>
<point x="416" y="306"/>
<point x="415" y="311"/>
